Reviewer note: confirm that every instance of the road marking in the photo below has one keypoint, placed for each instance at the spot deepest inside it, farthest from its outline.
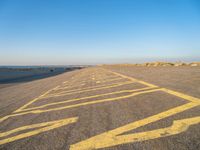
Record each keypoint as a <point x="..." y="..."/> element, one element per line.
<point x="65" y="82"/>
<point x="43" y="127"/>
<point x="38" y="98"/>
<point x="99" y="81"/>
<point x="108" y="78"/>
<point x="80" y="104"/>
<point x="112" y="138"/>
<point x="131" y="78"/>
<point x="115" y="79"/>
<point x="181" y="95"/>
<point x="34" y="100"/>
<point x="64" y="93"/>
<point x="72" y="90"/>
<point x="83" y="98"/>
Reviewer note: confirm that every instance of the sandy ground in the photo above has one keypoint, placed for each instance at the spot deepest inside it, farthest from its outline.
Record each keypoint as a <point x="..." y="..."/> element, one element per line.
<point x="110" y="107"/>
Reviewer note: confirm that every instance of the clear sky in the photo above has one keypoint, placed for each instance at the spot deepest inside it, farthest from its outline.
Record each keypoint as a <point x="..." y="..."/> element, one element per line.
<point x="45" y="32"/>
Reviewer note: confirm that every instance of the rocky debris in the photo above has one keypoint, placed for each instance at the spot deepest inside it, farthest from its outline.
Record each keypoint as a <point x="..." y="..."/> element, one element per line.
<point x="194" y="64"/>
<point x="164" y="64"/>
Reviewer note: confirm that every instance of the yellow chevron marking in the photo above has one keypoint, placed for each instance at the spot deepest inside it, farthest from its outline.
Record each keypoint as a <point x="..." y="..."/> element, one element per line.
<point x="43" y="127"/>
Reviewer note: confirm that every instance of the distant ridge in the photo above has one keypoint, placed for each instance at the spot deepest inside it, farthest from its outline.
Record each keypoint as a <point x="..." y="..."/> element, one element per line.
<point x="155" y="64"/>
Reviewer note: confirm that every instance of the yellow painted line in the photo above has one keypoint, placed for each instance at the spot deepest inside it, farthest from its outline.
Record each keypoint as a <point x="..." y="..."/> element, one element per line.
<point x="92" y="87"/>
<point x="38" y="98"/>
<point x="177" y="127"/>
<point x="83" y="98"/>
<point x="113" y="137"/>
<point x="87" y="90"/>
<point x="105" y="77"/>
<point x="132" y="79"/>
<point x="111" y="76"/>
<point x="86" y="78"/>
<point x="108" y="78"/>
<point x="65" y="82"/>
<point x="110" y="138"/>
<point x="99" y="81"/>
<point x="80" y="104"/>
<point x="34" y="100"/>
<point x="43" y="127"/>
<point x="181" y="95"/>
<point x="102" y="81"/>
<point x="69" y="87"/>
<point x="115" y="79"/>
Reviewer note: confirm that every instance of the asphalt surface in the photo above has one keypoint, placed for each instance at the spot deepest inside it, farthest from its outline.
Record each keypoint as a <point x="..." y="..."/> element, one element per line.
<point x="110" y="107"/>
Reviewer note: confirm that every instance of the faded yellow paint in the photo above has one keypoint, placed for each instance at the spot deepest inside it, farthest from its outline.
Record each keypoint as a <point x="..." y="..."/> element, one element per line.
<point x="107" y="78"/>
<point x="43" y="127"/>
<point x="79" y="104"/>
<point x="65" y="82"/>
<point x="112" y="138"/>
<point x="34" y="100"/>
<point x="64" y="93"/>
<point x="42" y="96"/>
<point x="83" y="98"/>
<point x="83" y="83"/>
<point x="38" y="98"/>
<point x="110" y="80"/>
<point x="132" y="79"/>
<point x="181" y="95"/>
<point x="91" y="87"/>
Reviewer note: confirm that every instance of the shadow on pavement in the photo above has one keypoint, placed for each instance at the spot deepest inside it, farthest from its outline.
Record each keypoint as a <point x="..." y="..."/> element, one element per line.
<point x="28" y="78"/>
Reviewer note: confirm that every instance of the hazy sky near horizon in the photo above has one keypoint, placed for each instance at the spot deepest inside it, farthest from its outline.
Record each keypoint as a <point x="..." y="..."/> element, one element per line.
<point x="58" y="32"/>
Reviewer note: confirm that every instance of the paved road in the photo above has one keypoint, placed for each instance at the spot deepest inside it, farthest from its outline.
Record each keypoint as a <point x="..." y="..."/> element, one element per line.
<point x="110" y="107"/>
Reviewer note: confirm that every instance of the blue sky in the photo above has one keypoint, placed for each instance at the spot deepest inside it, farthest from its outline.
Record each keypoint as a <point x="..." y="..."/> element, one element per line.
<point x="41" y="32"/>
